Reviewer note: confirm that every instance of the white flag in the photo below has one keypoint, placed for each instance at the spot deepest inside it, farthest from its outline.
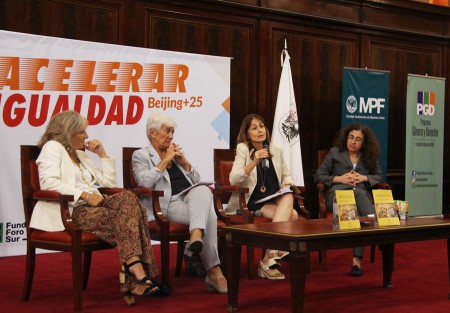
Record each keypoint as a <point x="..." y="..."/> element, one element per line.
<point x="286" y="131"/>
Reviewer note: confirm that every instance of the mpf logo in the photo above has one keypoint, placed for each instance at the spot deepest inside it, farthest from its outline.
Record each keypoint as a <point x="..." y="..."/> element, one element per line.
<point x="365" y="106"/>
<point x="425" y="103"/>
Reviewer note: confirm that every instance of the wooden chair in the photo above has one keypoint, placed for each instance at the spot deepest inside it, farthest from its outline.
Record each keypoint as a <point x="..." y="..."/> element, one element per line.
<point x="161" y="229"/>
<point x="324" y="213"/>
<point x="223" y="163"/>
<point x="72" y="239"/>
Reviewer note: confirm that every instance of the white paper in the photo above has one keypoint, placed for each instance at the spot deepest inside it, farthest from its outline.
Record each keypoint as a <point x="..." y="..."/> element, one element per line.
<point x="276" y="194"/>
<point x="195" y="185"/>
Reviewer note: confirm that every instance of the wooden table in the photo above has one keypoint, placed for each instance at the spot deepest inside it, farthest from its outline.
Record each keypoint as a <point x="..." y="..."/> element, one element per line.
<point x="304" y="236"/>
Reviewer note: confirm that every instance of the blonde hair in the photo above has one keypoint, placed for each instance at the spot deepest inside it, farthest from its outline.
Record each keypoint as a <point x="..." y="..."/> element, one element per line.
<point x="61" y="128"/>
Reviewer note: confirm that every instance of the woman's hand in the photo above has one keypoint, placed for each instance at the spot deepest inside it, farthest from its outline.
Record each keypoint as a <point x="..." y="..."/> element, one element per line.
<point x="176" y="152"/>
<point x="181" y="158"/>
<point x="261" y="154"/>
<point x="93" y="199"/>
<point x="358" y="178"/>
<point x="96" y="147"/>
<point x="351" y="178"/>
<point x="346" y="179"/>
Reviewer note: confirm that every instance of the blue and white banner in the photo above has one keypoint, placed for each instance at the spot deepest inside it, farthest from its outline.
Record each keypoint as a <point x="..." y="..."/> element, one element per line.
<point x="117" y="88"/>
<point x="365" y="100"/>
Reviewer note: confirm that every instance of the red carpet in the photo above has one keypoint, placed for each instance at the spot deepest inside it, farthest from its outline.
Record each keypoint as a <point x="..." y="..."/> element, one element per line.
<point x="421" y="284"/>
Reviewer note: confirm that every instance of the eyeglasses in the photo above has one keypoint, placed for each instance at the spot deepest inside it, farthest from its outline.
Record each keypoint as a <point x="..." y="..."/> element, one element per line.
<point x="357" y="139"/>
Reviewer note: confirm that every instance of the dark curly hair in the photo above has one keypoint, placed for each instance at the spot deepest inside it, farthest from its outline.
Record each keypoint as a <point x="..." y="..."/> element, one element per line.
<point x="370" y="148"/>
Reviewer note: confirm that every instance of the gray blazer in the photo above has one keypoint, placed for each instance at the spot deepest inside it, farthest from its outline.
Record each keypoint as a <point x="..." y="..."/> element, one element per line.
<point x="148" y="175"/>
<point x="337" y="163"/>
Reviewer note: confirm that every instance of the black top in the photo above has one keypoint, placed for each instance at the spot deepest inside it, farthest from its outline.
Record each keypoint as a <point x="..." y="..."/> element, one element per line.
<point x="269" y="177"/>
<point x="177" y="179"/>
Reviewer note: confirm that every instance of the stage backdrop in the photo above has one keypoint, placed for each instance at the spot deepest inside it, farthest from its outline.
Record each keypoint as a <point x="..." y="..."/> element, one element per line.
<point x="424" y="144"/>
<point x="117" y="88"/>
<point x="365" y="100"/>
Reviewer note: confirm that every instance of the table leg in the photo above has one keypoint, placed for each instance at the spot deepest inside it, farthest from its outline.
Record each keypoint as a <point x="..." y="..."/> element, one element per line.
<point x="233" y="267"/>
<point x="298" y="265"/>
<point x="388" y="264"/>
<point x="448" y="261"/>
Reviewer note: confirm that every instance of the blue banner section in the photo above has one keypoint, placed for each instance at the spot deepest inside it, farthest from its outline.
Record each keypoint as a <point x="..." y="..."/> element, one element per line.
<point x="365" y="100"/>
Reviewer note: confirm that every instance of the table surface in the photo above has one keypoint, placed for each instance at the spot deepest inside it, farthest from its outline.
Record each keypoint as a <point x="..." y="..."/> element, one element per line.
<point x="319" y="228"/>
<point x="302" y="236"/>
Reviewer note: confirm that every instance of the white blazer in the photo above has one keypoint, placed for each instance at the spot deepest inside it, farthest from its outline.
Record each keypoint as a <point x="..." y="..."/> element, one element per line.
<point x="57" y="173"/>
<point x="239" y="177"/>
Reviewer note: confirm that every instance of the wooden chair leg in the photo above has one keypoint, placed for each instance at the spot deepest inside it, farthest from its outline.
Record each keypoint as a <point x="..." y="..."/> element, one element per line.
<point x="372" y="253"/>
<point x="86" y="267"/>
<point x="77" y="278"/>
<point x="180" y="252"/>
<point x="323" y="260"/>
<point x="165" y="258"/>
<point x="29" y="273"/>
<point x="250" y="266"/>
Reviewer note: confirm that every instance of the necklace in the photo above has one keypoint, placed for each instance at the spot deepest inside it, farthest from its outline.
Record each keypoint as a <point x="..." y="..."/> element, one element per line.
<point x="263" y="178"/>
<point x="77" y="163"/>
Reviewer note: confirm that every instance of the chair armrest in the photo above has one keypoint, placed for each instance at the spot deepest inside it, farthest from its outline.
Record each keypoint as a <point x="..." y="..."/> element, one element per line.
<point x="323" y="213"/>
<point x="297" y="191"/>
<point x="243" y="210"/>
<point x="159" y="216"/>
<point x="110" y="191"/>
<point x="321" y="187"/>
<point x="66" y="218"/>
<point x="218" y="207"/>
<point x="382" y="186"/>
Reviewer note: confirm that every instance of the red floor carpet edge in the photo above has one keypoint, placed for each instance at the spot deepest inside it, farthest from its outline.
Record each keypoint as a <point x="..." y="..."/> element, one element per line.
<point x="421" y="284"/>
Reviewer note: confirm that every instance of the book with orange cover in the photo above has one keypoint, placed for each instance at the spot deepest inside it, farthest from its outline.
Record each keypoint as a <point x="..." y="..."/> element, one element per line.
<point x="385" y="207"/>
<point x="348" y="216"/>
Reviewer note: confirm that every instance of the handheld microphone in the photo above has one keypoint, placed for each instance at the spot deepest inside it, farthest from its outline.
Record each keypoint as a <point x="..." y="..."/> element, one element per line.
<point x="265" y="162"/>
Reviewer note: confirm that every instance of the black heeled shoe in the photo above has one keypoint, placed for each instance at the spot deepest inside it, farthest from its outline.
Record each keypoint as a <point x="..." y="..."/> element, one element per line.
<point x="128" y="296"/>
<point x="194" y="246"/>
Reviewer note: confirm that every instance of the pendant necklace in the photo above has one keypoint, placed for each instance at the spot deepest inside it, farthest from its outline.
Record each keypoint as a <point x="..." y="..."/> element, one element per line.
<point x="263" y="178"/>
<point x="77" y="163"/>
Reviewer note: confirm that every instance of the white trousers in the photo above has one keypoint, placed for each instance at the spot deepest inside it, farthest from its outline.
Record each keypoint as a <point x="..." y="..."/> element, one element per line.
<point x="195" y="210"/>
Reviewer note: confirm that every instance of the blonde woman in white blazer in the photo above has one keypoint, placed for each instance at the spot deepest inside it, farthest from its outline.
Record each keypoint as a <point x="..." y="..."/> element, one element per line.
<point x="120" y="219"/>
<point x="260" y="166"/>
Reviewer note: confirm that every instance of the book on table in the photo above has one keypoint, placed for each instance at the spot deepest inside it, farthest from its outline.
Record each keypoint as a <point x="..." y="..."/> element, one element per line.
<point x="385" y="211"/>
<point x="347" y="213"/>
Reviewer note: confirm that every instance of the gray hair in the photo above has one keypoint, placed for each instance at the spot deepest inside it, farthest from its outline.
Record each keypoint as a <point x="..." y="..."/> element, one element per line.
<point x="156" y="121"/>
<point x="61" y="128"/>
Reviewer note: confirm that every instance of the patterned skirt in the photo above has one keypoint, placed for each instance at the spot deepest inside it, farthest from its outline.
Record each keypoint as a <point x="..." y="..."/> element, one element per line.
<point x="121" y="221"/>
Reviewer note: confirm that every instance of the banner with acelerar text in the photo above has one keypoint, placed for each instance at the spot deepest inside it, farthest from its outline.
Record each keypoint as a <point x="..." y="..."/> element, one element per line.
<point x="117" y="88"/>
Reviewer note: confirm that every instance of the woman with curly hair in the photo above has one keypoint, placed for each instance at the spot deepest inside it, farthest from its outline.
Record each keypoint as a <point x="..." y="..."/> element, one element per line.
<point x="352" y="164"/>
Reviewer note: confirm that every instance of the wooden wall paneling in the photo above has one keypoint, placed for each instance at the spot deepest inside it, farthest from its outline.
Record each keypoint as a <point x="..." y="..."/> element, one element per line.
<point x="347" y="10"/>
<point x="395" y="18"/>
<point x="214" y="34"/>
<point x="400" y="57"/>
<point x="100" y="21"/>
